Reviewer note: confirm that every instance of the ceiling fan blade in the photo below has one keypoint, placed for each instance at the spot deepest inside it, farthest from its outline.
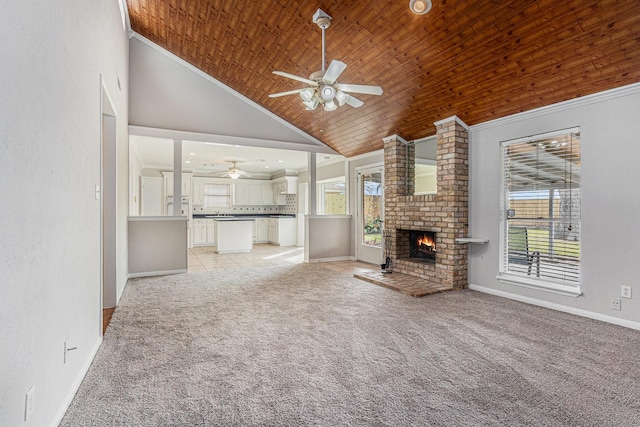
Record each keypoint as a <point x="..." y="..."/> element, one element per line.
<point x="354" y="102"/>
<point x="368" y="90"/>
<point x="291" y="92"/>
<point x="333" y="72"/>
<point x="300" y="79"/>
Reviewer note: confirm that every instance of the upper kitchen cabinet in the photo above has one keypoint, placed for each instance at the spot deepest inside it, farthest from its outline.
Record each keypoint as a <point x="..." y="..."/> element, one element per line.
<point x="168" y="184"/>
<point x="197" y="193"/>
<point x="285" y="185"/>
<point x="252" y="193"/>
<point x="282" y="187"/>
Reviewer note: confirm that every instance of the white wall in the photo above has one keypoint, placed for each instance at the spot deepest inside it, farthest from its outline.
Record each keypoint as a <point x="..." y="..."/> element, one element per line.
<point x="610" y="141"/>
<point x="168" y="93"/>
<point x="53" y="56"/>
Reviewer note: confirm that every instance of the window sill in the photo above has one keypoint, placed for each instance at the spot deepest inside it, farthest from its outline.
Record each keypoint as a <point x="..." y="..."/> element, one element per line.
<point x="556" y="288"/>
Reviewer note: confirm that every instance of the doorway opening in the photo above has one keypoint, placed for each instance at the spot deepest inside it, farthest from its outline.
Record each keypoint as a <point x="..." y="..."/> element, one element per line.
<point x="370" y="214"/>
<point x="107" y="194"/>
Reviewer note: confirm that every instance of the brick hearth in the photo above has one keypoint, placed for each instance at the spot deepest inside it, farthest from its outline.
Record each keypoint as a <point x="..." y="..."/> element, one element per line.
<point x="445" y="213"/>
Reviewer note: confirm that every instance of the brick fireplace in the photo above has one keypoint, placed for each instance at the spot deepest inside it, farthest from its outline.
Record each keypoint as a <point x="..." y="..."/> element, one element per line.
<point x="444" y="213"/>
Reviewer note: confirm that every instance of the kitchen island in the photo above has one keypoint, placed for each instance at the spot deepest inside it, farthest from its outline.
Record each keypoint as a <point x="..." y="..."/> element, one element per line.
<point x="233" y="234"/>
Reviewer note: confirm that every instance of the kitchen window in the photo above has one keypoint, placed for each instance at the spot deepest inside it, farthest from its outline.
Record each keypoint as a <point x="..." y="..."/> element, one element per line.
<point x="217" y="196"/>
<point x="540" y="232"/>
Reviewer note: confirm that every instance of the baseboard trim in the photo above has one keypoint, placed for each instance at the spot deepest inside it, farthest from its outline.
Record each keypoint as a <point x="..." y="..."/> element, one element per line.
<point x="338" y="258"/>
<point x="75" y="385"/>
<point x="558" y="307"/>
<point x="156" y="273"/>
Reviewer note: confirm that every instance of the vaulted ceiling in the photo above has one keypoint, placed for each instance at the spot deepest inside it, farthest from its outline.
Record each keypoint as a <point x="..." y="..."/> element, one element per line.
<point x="479" y="60"/>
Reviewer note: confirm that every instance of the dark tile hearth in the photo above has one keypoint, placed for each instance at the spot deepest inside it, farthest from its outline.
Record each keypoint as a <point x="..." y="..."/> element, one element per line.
<point x="404" y="283"/>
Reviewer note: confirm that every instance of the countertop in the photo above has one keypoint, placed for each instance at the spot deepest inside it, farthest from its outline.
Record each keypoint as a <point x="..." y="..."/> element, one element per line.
<point x="241" y="217"/>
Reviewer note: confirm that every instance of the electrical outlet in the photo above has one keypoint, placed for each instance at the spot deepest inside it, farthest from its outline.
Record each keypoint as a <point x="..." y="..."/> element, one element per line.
<point x="29" y="402"/>
<point x="615" y="304"/>
<point x="625" y="291"/>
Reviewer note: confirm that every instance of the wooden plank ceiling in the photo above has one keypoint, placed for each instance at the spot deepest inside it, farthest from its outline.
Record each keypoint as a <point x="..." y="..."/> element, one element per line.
<point x="479" y="60"/>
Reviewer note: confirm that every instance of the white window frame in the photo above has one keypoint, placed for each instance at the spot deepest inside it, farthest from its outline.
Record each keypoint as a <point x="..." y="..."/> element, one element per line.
<point x="504" y="275"/>
<point x="321" y="194"/>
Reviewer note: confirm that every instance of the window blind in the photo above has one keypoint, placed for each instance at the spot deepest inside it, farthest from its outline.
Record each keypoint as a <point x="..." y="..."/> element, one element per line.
<point x="217" y="195"/>
<point x="541" y="217"/>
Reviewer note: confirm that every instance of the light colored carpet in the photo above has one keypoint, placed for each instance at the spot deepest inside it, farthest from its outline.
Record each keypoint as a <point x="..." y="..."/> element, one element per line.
<point x="304" y="345"/>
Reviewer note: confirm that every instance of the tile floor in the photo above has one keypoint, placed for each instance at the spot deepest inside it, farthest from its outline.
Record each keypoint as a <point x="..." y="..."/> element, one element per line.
<point x="205" y="258"/>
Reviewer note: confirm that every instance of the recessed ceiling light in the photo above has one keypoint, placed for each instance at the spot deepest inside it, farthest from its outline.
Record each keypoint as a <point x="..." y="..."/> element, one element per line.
<point x="267" y="166"/>
<point x="192" y="154"/>
<point x="420" y="7"/>
<point x="187" y="161"/>
<point x="280" y="161"/>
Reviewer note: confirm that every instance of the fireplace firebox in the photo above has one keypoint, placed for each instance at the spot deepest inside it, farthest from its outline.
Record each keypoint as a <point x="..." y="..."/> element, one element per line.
<point x="422" y="245"/>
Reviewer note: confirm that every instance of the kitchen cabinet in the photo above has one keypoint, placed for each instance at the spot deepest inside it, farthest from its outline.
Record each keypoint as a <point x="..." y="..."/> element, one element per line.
<point x="252" y="193"/>
<point x="168" y="184"/>
<point x="273" y="230"/>
<point x="203" y="232"/>
<point x="282" y="187"/>
<point x="266" y="194"/>
<point x="199" y="232"/>
<point x="282" y="231"/>
<point x="262" y="230"/>
<point x="211" y="232"/>
<point x="197" y="191"/>
<point x="241" y="194"/>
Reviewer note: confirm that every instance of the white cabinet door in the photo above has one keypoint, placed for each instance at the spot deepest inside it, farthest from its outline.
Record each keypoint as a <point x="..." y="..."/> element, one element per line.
<point x="255" y="194"/>
<point x="186" y="184"/>
<point x="266" y="194"/>
<point x="254" y="234"/>
<point x="197" y="194"/>
<point x="287" y="228"/>
<point x="262" y="230"/>
<point x="241" y="194"/>
<point x="199" y="232"/>
<point x="273" y="230"/>
<point x="168" y="183"/>
<point x="211" y="232"/>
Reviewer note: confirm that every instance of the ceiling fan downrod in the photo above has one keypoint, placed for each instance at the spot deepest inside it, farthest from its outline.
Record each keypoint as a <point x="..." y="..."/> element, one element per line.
<point x="323" y="20"/>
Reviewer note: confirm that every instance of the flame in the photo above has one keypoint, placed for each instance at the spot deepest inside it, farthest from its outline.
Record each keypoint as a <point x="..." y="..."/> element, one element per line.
<point x="425" y="240"/>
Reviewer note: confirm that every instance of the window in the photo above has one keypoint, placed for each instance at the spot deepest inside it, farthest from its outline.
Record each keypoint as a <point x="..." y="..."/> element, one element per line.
<point x="217" y="196"/>
<point x="540" y="245"/>
<point x="332" y="198"/>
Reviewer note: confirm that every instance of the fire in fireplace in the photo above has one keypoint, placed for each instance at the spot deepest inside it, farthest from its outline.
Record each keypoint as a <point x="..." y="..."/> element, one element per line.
<point x="422" y="244"/>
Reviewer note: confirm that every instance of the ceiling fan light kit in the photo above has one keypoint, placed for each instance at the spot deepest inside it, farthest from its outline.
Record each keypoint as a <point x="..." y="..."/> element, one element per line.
<point x="323" y="86"/>
<point x="234" y="172"/>
<point x="420" y="7"/>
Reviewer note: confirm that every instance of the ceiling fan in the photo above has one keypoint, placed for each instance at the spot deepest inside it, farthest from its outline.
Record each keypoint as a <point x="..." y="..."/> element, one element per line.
<point x="323" y="86"/>
<point x="234" y="172"/>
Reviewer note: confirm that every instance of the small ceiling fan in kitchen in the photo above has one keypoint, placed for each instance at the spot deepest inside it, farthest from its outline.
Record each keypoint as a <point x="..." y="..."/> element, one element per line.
<point x="323" y="87"/>
<point x="234" y="172"/>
